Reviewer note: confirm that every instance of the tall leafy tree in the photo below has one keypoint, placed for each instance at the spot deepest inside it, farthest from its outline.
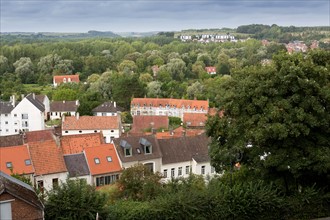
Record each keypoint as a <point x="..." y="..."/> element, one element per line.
<point x="279" y="118"/>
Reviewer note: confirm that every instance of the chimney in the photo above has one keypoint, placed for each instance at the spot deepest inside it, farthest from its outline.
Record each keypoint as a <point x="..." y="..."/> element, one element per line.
<point x="63" y="101"/>
<point x="63" y="117"/>
<point x="183" y="133"/>
<point x="114" y="104"/>
<point x="77" y="102"/>
<point x="77" y="115"/>
<point x="13" y="100"/>
<point x="34" y="95"/>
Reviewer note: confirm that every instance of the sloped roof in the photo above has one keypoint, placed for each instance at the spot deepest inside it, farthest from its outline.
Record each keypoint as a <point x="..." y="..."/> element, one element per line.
<point x="179" y="132"/>
<point x="143" y="122"/>
<point x="134" y="141"/>
<point x="6" y="107"/>
<point x="60" y="79"/>
<point x="19" y="190"/>
<point x="16" y="155"/>
<point x="11" y="140"/>
<point x="32" y="98"/>
<point x="108" y="107"/>
<point x="76" y="165"/>
<point x="47" y="157"/>
<point x="102" y="153"/>
<point x="90" y="123"/>
<point x="176" y="150"/>
<point x="210" y="69"/>
<point x="40" y="98"/>
<point x="178" y="103"/>
<point x="64" y="106"/>
<point x="42" y="135"/>
<point x="194" y="120"/>
<point x="74" y="144"/>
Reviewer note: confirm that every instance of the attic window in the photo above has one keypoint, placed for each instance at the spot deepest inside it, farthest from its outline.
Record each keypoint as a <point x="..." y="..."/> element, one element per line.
<point x="138" y="150"/>
<point x="95" y="131"/>
<point x="9" y="165"/>
<point x="109" y="158"/>
<point x="97" y="160"/>
<point x="80" y="131"/>
<point x="66" y="131"/>
<point x="27" y="162"/>
<point x="128" y="152"/>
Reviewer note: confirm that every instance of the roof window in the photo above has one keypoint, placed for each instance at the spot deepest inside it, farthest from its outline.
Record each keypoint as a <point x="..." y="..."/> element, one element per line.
<point x="109" y="158"/>
<point x="97" y="160"/>
<point x="9" y="165"/>
<point x="27" y="162"/>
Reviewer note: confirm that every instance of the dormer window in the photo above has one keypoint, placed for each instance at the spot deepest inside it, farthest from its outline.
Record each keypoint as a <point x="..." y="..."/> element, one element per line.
<point x="147" y="147"/>
<point x="127" y="148"/>
<point x="128" y="152"/>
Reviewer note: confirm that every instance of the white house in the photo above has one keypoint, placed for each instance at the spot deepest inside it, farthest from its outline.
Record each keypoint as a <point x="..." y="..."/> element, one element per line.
<point x="60" y="108"/>
<point x="109" y="126"/>
<point x="169" y="107"/>
<point x="184" y="155"/>
<point x="107" y="109"/>
<point x="45" y="101"/>
<point x="27" y="115"/>
<point x="139" y="149"/>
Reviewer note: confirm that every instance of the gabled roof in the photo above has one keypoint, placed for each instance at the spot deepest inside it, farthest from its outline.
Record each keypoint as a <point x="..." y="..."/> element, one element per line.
<point x="76" y="165"/>
<point x="41" y="98"/>
<point x="178" y="103"/>
<point x="143" y="122"/>
<point x="210" y="69"/>
<point x="47" y="157"/>
<point x="11" y="140"/>
<point x="176" y="150"/>
<point x="74" y="144"/>
<point x="194" y="120"/>
<point x="18" y="157"/>
<point x="60" y="79"/>
<point x="107" y="158"/>
<point x="19" y="190"/>
<point x="64" y="106"/>
<point x="42" y="135"/>
<point x="90" y="123"/>
<point x="134" y="142"/>
<point x="32" y="98"/>
<point x="108" y="107"/>
<point x="6" y="107"/>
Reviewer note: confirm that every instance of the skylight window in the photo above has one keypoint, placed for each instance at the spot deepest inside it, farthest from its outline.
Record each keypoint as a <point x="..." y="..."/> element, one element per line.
<point x="27" y="162"/>
<point x="9" y="165"/>
<point x="97" y="160"/>
<point x="109" y="158"/>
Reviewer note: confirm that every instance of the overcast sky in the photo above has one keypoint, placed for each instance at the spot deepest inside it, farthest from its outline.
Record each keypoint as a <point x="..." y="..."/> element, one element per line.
<point x="157" y="15"/>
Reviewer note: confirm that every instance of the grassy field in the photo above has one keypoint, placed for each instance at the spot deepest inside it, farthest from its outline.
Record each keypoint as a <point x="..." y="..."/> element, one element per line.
<point x="37" y="89"/>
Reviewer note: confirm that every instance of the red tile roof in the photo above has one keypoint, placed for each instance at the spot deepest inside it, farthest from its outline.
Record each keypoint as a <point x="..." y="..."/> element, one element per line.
<point x="42" y="135"/>
<point x="17" y="156"/>
<point x="102" y="153"/>
<point x="74" y="144"/>
<point x="60" y="79"/>
<point x="90" y="123"/>
<point x="47" y="157"/>
<point x="179" y="103"/>
<point x="194" y="120"/>
<point x="179" y="132"/>
<point x="143" y="122"/>
<point x="210" y="69"/>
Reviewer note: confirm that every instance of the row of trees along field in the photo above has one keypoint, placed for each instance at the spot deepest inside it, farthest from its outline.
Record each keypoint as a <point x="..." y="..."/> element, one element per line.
<point x="109" y="64"/>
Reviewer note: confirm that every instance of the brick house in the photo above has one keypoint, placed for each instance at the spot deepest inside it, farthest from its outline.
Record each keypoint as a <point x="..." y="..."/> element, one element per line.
<point x="18" y="200"/>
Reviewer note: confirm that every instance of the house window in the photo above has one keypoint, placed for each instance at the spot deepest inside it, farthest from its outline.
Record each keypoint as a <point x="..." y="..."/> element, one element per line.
<point x="149" y="166"/>
<point x="15" y="115"/>
<point x="147" y="149"/>
<point x="6" y="122"/>
<point x="66" y="132"/>
<point x="27" y="162"/>
<point x="7" y="130"/>
<point x="16" y="130"/>
<point x="112" y="131"/>
<point x="41" y="185"/>
<point x="106" y="180"/>
<point x="165" y="173"/>
<point x="104" y="114"/>
<point x="187" y="169"/>
<point x="172" y="172"/>
<point x="80" y="131"/>
<point x="128" y="152"/>
<point x="97" y="160"/>
<point x="95" y="131"/>
<point x="25" y="124"/>
<point x="55" y="183"/>
<point x="25" y="116"/>
<point x="5" y="209"/>
<point x="109" y="159"/>
<point x="9" y="165"/>
<point x="179" y="171"/>
<point x="6" y="115"/>
<point x="203" y="170"/>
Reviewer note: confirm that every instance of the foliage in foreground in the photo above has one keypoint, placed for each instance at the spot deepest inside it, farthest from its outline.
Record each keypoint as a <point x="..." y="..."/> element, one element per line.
<point x="74" y="199"/>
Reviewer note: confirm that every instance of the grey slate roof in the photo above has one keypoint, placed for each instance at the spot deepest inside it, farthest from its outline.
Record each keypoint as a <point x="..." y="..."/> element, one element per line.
<point x="134" y="142"/>
<point x="19" y="189"/>
<point x="63" y="106"/>
<point x="32" y="98"/>
<point x="107" y="107"/>
<point x="76" y="165"/>
<point x="6" y="107"/>
<point x="182" y="149"/>
<point x="11" y="140"/>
